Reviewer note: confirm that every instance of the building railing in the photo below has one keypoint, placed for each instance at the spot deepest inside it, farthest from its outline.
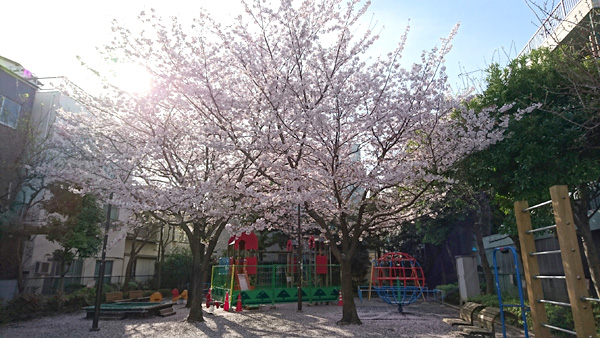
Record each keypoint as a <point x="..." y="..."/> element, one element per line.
<point x="548" y="27"/>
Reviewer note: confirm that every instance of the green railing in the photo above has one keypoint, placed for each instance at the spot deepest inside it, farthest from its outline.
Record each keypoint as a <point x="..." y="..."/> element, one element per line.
<point x="273" y="284"/>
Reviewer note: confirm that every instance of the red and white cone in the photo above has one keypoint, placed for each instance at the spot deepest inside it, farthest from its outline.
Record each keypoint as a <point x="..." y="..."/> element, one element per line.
<point x="238" y="307"/>
<point x="208" y="299"/>
<point x="340" y="300"/>
<point x="226" y="304"/>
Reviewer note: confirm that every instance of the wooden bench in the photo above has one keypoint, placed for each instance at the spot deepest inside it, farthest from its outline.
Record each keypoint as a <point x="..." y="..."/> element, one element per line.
<point x="136" y="294"/>
<point x="467" y="314"/>
<point x="485" y="323"/>
<point x="112" y="297"/>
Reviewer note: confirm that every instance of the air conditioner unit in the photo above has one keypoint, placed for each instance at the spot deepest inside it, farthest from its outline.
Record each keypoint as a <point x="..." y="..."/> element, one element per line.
<point x="43" y="268"/>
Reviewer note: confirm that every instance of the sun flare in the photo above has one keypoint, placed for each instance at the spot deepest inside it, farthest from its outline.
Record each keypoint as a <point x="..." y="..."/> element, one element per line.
<point x="131" y="78"/>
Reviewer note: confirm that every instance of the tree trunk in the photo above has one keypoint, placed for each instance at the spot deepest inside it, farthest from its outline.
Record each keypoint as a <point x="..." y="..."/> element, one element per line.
<point x="349" y="314"/>
<point x="129" y="267"/>
<point x="195" y="292"/>
<point x="482" y="221"/>
<point x="61" y="278"/>
<point x="20" y="280"/>
<point x="582" y="220"/>
<point x="161" y="256"/>
<point x="443" y="264"/>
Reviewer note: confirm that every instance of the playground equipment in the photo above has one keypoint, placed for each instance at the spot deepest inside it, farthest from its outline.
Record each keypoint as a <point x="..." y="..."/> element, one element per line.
<point x="398" y="279"/>
<point x="131" y="309"/>
<point x="521" y="304"/>
<point x="579" y="300"/>
<point x="241" y="276"/>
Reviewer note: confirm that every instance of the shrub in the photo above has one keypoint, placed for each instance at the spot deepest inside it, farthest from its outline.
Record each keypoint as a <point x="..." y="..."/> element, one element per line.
<point x="133" y="286"/>
<point x="489" y="300"/>
<point x="177" y="269"/>
<point x="450" y="293"/>
<point x="55" y="302"/>
<point x="149" y="284"/>
<point x="110" y="288"/>
<point x="165" y="292"/>
<point x="73" y="287"/>
<point x="24" y="306"/>
<point x="80" y="298"/>
<point x="3" y="314"/>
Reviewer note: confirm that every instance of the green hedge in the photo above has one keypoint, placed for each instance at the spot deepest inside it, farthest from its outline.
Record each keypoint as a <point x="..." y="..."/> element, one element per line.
<point x="450" y="293"/>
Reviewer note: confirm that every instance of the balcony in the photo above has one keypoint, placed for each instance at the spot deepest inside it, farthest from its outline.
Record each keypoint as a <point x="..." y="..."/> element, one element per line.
<point x="560" y="25"/>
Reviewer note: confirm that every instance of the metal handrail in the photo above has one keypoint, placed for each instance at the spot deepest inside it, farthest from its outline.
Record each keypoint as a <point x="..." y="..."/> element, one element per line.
<point x="559" y="329"/>
<point x="547" y="28"/>
<point x="537" y="206"/>
<point x="554" y="302"/>
<point x="541" y="229"/>
<point x="544" y="252"/>
<point x="549" y="277"/>
<point x="590" y="299"/>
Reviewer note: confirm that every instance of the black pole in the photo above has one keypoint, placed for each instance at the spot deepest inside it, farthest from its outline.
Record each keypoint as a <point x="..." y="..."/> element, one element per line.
<point x="101" y="272"/>
<point x="299" y="263"/>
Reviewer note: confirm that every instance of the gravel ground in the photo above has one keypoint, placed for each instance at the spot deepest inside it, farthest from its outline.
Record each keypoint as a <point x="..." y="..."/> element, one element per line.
<point x="422" y="319"/>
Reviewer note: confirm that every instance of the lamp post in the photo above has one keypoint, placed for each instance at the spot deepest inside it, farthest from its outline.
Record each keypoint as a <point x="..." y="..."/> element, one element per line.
<point x="299" y="262"/>
<point x="101" y="272"/>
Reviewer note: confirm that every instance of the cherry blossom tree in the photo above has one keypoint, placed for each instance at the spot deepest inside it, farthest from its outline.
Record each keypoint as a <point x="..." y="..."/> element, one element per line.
<point x="361" y="144"/>
<point x="282" y="108"/>
<point x="156" y="158"/>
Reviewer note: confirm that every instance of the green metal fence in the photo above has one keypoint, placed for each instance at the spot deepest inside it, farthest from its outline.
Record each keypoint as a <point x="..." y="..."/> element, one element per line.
<point x="273" y="284"/>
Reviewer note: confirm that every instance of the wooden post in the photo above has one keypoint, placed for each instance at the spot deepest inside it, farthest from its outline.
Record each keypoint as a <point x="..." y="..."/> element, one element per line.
<point x="571" y="258"/>
<point x="531" y="269"/>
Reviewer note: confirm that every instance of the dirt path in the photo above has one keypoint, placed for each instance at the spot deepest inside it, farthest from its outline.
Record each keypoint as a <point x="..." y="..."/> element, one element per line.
<point x="423" y="319"/>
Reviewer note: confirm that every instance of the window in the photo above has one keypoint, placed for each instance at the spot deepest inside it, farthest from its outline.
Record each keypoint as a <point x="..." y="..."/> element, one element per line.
<point x="181" y="236"/>
<point x="114" y="212"/>
<point x="73" y="275"/>
<point x="107" y="271"/>
<point x="9" y="112"/>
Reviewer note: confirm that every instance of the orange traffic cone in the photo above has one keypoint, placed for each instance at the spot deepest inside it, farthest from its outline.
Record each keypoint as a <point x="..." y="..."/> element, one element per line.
<point x="238" y="307"/>
<point x="340" y="300"/>
<point x="226" y="304"/>
<point x="208" y="299"/>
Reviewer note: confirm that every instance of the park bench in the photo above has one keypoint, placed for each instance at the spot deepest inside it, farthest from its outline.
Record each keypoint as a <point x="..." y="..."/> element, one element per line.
<point x="112" y="297"/>
<point x="136" y="295"/>
<point x="467" y="314"/>
<point x="485" y="323"/>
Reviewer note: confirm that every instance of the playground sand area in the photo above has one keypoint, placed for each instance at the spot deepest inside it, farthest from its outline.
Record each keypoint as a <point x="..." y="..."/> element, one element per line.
<point x="422" y="319"/>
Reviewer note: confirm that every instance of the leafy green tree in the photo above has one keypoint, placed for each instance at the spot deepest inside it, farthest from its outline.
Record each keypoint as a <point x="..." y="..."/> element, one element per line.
<point x="177" y="268"/>
<point x="549" y="146"/>
<point x="74" y="225"/>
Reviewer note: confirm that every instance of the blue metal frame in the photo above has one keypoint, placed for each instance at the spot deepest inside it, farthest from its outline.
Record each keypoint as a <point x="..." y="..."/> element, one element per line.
<point x="434" y="293"/>
<point x="399" y="295"/>
<point x="523" y="307"/>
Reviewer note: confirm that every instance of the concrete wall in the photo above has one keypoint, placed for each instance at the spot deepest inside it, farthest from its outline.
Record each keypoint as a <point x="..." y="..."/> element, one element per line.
<point x="13" y="140"/>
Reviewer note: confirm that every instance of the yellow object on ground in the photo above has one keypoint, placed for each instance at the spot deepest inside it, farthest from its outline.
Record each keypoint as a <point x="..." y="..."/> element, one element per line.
<point x="183" y="294"/>
<point x="156" y="297"/>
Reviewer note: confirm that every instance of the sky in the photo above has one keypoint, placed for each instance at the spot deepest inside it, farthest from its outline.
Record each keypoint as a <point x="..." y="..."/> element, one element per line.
<point x="46" y="37"/>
